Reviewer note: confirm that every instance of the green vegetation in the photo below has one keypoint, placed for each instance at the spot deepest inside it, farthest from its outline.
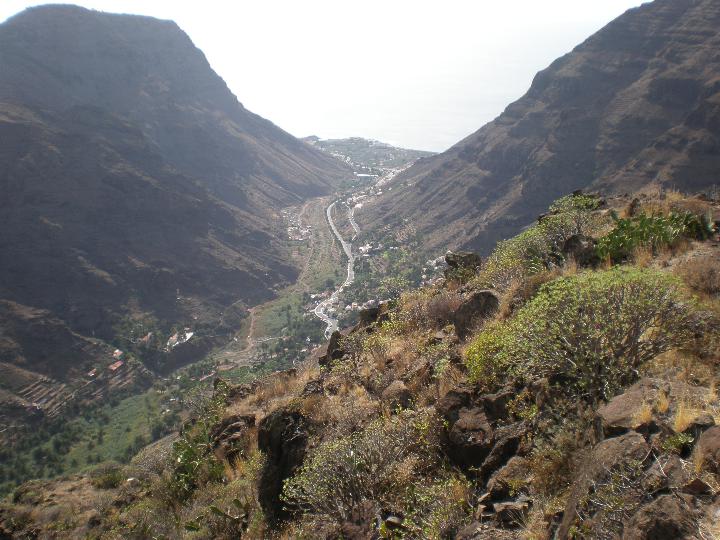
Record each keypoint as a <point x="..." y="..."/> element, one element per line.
<point x="653" y="232"/>
<point x="344" y="472"/>
<point x="540" y="246"/>
<point x="106" y="476"/>
<point x="111" y="432"/>
<point x="676" y="443"/>
<point x="193" y="461"/>
<point x="412" y="430"/>
<point x="590" y="332"/>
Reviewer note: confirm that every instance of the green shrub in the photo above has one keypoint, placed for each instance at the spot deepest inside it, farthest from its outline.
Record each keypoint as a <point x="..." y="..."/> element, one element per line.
<point x="653" y="232"/>
<point x="676" y="443"/>
<point x="592" y="331"/>
<point x="439" y="509"/>
<point x="540" y="247"/>
<point x="379" y="464"/>
<point x="193" y="460"/>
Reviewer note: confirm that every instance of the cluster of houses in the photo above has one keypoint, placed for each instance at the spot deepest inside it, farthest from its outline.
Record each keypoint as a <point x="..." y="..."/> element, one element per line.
<point x="178" y="338"/>
<point x="117" y="356"/>
<point x="295" y="229"/>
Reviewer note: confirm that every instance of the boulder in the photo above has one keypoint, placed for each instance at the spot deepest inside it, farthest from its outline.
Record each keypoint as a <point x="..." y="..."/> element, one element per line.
<point x="668" y="517"/>
<point x="449" y="405"/>
<point x="505" y="444"/>
<point x="230" y="435"/>
<point x="333" y="351"/>
<point x="495" y="405"/>
<point x="582" y="249"/>
<point x="605" y="457"/>
<point x="511" y="514"/>
<point x="699" y="424"/>
<point x="241" y="391"/>
<point x="509" y="479"/>
<point x="397" y="396"/>
<point x="479" y="305"/>
<point x="374" y="315"/>
<point x="666" y="473"/>
<point x="282" y="437"/>
<point x="707" y="450"/>
<point x="462" y="259"/>
<point x="471" y="438"/>
<point x="314" y="387"/>
<point x="697" y="487"/>
<point x="624" y="412"/>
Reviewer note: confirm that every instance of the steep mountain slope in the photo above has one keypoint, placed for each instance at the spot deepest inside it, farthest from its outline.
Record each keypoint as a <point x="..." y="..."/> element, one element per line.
<point x="637" y="104"/>
<point x="130" y="173"/>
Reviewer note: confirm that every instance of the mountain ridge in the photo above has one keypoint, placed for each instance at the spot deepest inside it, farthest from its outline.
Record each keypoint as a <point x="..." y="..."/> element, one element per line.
<point x="137" y="190"/>
<point x="625" y="110"/>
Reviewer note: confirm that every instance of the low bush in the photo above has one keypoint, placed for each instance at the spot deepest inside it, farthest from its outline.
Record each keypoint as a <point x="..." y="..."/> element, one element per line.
<point x="106" y="476"/>
<point x="591" y="332"/>
<point x="702" y="274"/>
<point x="539" y="248"/>
<point x="652" y="232"/>
<point x="439" y="509"/>
<point x="381" y="463"/>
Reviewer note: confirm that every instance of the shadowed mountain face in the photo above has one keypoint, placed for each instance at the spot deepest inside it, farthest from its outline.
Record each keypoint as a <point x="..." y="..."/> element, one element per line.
<point x="132" y="180"/>
<point x="634" y="106"/>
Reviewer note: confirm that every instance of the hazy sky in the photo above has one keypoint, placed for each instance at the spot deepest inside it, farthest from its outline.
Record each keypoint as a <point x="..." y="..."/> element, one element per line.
<point x="416" y="73"/>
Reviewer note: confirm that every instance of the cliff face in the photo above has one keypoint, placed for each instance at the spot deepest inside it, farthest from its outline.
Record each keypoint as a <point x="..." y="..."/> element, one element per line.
<point x="636" y="105"/>
<point x="130" y="173"/>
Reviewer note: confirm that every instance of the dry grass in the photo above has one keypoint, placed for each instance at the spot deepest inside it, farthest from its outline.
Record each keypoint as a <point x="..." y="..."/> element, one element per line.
<point x="698" y="462"/>
<point x="664" y="201"/>
<point x="712" y="394"/>
<point x="662" y="402"/>
<point x="642" y="256"/>
<point x="536" y="526"/>
<point x="644" y="414"/>
<point x="345" y="412"/>
<point x="681" y="366"/>
<point x="441" y="307"/>
<point x="570" y="268"/>
<point x="685" y="415"/>
<point x="710" y="528"/>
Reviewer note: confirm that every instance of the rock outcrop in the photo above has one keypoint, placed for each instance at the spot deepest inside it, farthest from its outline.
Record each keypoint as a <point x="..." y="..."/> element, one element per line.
<point x="282" y="437"/>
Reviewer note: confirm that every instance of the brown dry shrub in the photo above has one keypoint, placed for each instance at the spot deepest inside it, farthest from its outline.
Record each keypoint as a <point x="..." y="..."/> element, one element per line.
<point x="520" y="291"/>
<point x="344" y="413"/>
<point x="681" y="365"/>
<point x="441" y="308"/>
<point x="702" y="274"/>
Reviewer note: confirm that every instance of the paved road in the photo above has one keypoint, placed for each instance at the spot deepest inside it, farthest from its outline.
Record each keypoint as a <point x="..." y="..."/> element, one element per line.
<point x="322" y="309"/>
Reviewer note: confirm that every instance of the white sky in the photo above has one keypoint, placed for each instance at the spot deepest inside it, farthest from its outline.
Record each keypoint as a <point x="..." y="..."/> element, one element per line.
<point x="416" y="73"/>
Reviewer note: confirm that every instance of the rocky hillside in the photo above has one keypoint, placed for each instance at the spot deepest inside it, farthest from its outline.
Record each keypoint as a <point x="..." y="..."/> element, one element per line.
<point x="563" y="387"/>
<point x="636" y="105"/>
<point x="135" y="185"/>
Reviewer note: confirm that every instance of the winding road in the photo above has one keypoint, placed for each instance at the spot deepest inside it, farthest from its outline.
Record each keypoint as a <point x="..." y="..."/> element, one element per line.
<point x="322" y="310"/>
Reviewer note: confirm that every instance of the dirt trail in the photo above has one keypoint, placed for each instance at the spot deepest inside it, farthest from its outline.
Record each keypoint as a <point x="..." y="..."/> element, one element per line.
<point x="249" y="339"/>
